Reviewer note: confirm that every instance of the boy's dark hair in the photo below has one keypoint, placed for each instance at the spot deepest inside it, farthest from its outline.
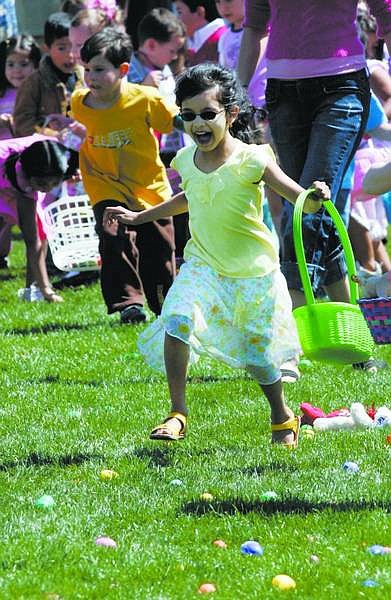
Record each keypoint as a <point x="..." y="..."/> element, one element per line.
<point x="206" y="76"/>
<point x="114" y="45"/>
<point x="56" y="26"/>
<point x="209" y="5"/>
<point x="18" y="43"/>
<point x="45" y="158"/>
<point x="159" y="24"/>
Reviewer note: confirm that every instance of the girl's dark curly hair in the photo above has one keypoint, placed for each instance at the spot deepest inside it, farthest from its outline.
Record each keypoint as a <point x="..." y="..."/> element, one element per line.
<point x="18" y="43"/>
<point x="205" y="76"/>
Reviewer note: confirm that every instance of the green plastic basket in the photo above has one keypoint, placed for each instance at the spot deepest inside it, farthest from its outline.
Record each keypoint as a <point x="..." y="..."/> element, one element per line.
<point x="333" y="332"/>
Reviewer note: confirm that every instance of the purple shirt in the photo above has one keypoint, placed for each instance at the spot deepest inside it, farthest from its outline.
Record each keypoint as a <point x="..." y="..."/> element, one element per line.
<point x="8" y="209"/>
<point x="310" y="38"/>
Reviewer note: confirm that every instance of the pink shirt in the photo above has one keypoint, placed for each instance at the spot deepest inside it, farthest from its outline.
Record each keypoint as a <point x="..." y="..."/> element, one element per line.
<point x="312" y="38"/>
<point x="7" y="107"/>
<point x="8" y="208"/>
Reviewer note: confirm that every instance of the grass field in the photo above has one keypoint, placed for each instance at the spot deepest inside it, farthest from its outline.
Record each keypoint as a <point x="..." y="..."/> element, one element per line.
<point x="77" y="398"/>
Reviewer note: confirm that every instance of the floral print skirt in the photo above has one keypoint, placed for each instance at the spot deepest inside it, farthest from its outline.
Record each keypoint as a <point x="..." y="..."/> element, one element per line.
<point x="241" y="322"/>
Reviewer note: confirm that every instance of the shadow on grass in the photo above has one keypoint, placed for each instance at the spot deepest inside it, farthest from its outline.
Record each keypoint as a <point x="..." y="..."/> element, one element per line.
<point x="259" y="471"/>
<point x="49" y="328"/>
<point x="39" y="460"/>
<point x="287" y="507"/>
<point x="7" y="276"/>
<point x="57" y="379"/>
<point x="157" y="457"/>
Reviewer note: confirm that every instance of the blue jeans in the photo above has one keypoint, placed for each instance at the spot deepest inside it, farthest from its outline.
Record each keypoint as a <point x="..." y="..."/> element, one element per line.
<point x="316" y="125"/>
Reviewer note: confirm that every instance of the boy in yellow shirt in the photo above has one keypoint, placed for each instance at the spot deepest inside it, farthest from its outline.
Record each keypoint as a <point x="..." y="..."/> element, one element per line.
<point x="120" y="165"/>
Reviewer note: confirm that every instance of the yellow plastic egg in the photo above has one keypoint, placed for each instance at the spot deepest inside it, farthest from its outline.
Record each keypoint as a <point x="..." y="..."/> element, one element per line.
<point x="284" y="582"/>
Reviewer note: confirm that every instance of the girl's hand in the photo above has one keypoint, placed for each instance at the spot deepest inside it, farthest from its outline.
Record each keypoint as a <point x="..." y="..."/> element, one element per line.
<point x="314" y="202"/>
<point x="118" y="214"/>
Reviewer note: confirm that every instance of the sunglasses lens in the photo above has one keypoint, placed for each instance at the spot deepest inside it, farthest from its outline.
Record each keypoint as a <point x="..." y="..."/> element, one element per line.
<point x="208" y="115"/>
<point x="188" y="116"/>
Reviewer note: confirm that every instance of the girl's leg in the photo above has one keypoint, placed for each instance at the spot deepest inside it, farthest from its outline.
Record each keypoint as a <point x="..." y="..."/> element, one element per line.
<point x="176" y="359"/>
<point x="279" y="411"/>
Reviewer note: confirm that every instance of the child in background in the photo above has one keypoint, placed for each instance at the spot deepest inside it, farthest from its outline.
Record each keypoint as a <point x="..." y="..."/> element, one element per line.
<point x="19" y="57"/>
<point x="232" y="11"/>
<point x="29" y="166"/>
<point x="161" y="35"/>
<point x="230" y="300"/>
<point x="120" y="163"/>
<point x="108" y="7"/>
<point x="203" y="29"/>
<point x="48" y="90"/>
<point x="83" y="25"/>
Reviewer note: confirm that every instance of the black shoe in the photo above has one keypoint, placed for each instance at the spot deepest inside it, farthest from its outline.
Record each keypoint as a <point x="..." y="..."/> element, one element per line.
<point x="371" y="365"/>
<point x="4" y="262"/>
<point x="133" y="314"/>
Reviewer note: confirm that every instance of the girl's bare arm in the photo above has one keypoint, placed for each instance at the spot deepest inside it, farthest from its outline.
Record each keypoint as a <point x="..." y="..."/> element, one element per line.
<point x="175" y="206"/>
<point x="281" y="183"/>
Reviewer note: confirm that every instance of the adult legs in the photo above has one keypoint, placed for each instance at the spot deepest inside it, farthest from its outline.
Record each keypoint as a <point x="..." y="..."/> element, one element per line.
<point x="316" y="127"/>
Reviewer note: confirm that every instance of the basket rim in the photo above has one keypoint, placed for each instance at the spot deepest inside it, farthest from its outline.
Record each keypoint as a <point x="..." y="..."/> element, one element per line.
<point x="376" y="300"/>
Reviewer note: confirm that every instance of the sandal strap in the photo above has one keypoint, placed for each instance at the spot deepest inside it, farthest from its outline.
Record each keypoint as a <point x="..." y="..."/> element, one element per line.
<point x="289" y="424"/>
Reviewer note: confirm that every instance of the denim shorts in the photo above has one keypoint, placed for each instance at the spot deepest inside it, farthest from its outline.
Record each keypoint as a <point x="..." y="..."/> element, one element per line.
<point x="316" y="125"/>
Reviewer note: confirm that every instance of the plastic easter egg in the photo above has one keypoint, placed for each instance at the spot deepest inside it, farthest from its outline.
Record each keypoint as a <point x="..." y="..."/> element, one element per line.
<point x="308" y="433"/>
<point x="350" y="467"/>
<point x="105" y="541"/>
<point x="45" y="502"/>
<point x="206" y="497"/>
<point x="75" y="413"/>
<point x="284" y="582"/>
<point x="219" y="544"/>
<point x="206" y="588"/>
<point x="177" y="482"/>
<point x="314" y="558"/>
<point x="268" y="496"/>
<point x="388" y="439"/>
<point x="251" y="547"/>
<point x="108" y="474"/>
<point x="376" y="549"/>
<point x="370" y="583"/>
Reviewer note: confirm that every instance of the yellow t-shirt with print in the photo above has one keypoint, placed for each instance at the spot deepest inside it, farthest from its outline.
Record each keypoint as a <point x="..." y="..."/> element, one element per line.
<point x="225" y="212"/>
<point x="119" y="160"/>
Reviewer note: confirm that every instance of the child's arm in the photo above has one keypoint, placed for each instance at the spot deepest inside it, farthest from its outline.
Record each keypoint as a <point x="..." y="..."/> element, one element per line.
<point x="377" y="180"/>
<point x="275" y="178"/>
<point x="175" y="206"/>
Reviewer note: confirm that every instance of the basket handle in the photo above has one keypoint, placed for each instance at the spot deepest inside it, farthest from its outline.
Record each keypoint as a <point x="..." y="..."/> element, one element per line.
<point x="299" y="247"/>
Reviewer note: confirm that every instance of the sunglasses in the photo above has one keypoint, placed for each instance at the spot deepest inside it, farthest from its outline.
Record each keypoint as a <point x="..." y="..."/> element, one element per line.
<point x="206" y="115"/>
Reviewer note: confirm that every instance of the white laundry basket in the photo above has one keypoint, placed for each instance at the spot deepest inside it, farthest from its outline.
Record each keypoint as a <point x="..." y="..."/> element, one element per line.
<point x="69" y="224"/>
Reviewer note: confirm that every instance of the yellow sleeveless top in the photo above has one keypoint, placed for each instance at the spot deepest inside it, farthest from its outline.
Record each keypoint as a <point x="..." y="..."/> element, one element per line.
<point x="225" y="212"/>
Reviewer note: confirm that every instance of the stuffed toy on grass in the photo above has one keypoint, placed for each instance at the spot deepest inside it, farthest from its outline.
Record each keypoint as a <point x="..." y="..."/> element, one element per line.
<point x="354" y="418"/>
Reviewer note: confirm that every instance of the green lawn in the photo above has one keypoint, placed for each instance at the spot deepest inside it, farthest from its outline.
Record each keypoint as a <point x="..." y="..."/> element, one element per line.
<point x="77" y="398"/>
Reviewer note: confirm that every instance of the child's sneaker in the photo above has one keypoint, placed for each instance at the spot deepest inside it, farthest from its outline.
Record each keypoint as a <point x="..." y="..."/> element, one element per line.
<point x="24" y="294"/>
<point x="35" y="293"/>
<point x="363" y="274"/>
<point x="30" y="294"/>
